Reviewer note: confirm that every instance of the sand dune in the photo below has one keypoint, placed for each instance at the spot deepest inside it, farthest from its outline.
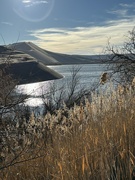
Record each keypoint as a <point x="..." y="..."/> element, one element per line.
<point x="51" y="58"/>
<point x="36" y="52"/>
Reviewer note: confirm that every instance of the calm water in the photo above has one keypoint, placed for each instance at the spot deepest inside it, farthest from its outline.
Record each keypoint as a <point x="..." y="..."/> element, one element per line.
<point x="88" y="75"/>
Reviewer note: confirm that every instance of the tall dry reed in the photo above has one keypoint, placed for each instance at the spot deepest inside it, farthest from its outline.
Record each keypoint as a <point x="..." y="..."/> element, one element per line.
<point x="95" y="141"/>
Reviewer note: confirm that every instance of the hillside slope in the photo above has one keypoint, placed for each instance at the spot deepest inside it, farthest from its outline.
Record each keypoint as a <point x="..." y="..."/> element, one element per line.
<point x="36" y="52"/>
<point x="51" y="58"/>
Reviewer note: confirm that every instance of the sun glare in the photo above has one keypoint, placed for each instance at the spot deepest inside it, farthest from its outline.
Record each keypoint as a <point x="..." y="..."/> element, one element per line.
<point x="33" y="10"/>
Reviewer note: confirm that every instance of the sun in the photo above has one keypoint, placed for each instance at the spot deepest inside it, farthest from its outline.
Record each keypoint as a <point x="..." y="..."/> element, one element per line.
<point x="33" y="10"/>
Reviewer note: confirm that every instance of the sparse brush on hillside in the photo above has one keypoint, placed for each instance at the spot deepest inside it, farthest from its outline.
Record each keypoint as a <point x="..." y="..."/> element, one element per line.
<point x="94" y="140"/>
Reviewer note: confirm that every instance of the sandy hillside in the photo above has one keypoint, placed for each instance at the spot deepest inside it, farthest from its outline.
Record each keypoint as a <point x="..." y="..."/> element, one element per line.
<point x="36" y="52"/>
<point x="51" y="58"/>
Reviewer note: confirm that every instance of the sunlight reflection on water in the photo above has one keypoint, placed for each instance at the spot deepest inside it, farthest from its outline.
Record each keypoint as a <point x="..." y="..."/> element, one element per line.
<point x="35" y="90"/>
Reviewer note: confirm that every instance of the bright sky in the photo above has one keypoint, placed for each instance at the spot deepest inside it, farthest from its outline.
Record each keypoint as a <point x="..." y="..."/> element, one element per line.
<point x="67" y="26"/>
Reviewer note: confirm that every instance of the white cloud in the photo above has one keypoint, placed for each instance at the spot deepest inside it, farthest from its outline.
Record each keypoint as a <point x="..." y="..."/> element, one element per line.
<point x="132" y="5"/>
<point x="7" y="23"/>
<point x="123" y="10"/>
<point x="119" y="12"/>
<point x="85" y="40"/>
<point x="26" y="1"/>
<point x="29" y="3"/>
<point x="90" y="40"/>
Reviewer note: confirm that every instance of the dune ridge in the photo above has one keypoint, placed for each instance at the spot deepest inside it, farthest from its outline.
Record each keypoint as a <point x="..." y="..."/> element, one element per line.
<point x="53" y="58"/>
<point x="36" y="52"/>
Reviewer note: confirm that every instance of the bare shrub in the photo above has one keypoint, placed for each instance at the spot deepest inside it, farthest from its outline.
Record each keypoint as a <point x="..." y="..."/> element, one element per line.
<point x="68" y="93"/>
<point x="122" y="59"/>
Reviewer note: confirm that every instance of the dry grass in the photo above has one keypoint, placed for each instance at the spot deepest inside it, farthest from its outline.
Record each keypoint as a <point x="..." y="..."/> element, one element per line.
<point x="94" y="141"/>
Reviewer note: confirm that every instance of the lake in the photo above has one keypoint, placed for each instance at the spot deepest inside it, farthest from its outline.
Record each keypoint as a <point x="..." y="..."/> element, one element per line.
<point x="88" y="75"/>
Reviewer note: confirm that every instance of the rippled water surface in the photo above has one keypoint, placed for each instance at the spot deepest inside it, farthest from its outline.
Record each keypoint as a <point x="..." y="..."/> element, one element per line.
<point x="88" y="75"/>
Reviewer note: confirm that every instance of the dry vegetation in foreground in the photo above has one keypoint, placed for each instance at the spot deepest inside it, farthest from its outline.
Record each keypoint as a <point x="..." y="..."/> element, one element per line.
<point x="93" y="141"/>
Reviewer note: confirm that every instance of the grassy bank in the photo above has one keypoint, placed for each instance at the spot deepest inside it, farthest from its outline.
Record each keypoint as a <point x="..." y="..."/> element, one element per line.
<point x="93" y="141"/>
